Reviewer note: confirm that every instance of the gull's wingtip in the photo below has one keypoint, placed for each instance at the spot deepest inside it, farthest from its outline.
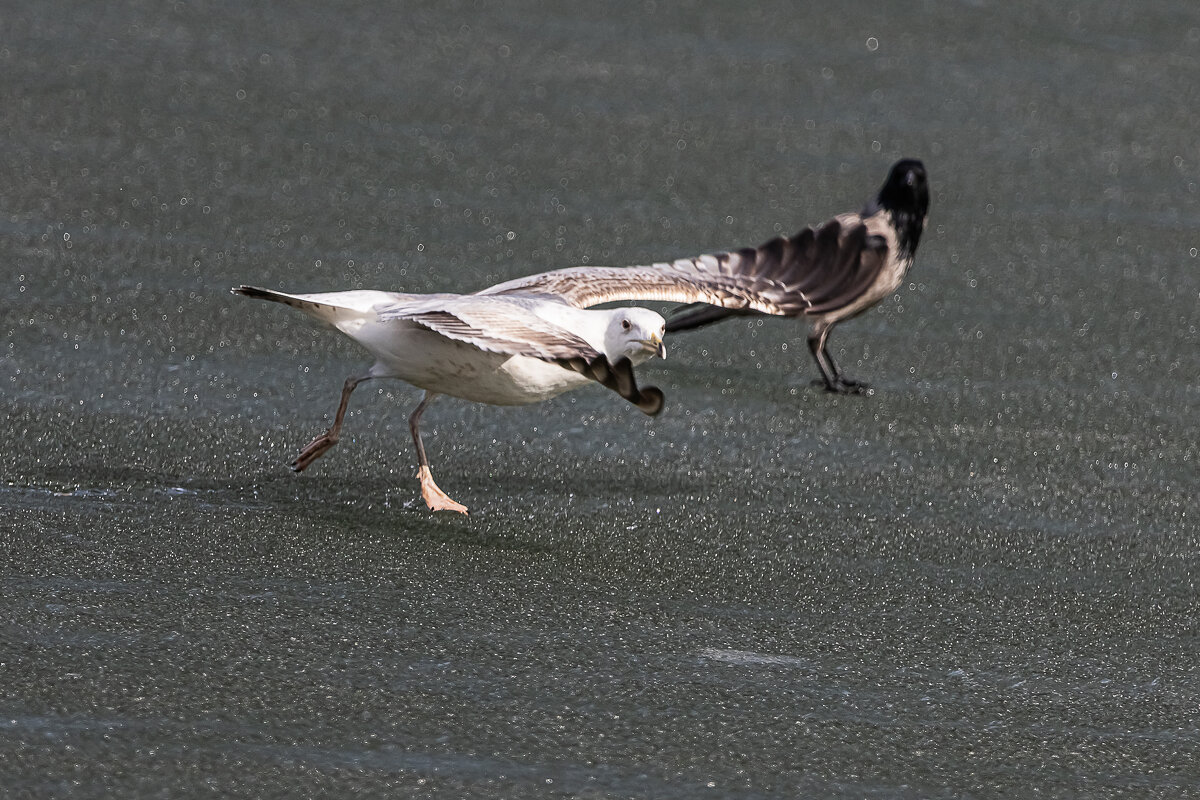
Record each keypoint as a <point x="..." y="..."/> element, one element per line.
<point x="651" y="401"/>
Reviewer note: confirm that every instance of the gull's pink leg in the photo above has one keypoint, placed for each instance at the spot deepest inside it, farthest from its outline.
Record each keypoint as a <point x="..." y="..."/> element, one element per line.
<point x="435" y="498"/>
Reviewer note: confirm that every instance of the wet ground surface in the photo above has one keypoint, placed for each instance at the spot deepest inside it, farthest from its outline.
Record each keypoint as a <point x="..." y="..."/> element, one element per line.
<point x="978" y="581"/>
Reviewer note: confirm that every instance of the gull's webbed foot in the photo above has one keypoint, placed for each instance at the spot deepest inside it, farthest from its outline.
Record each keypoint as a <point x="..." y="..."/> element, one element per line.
<point x="435" y="498"/>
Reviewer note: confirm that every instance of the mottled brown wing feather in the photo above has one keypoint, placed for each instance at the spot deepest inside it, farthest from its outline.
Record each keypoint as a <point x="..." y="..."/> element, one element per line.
<point x="783" y="277"/>
<point x="839" y="252"/>
<point x="817" y="250"/>
<point x="684" y="281"/>
<point x="871" y="261"/>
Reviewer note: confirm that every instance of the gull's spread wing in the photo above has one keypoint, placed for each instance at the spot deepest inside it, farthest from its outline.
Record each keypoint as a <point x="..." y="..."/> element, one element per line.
<point x="815" y="271"/>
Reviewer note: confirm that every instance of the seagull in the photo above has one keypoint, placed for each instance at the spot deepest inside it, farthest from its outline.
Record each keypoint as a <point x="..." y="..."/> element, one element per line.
<point x="832" y="271"/>
<point x="510" y="350"/>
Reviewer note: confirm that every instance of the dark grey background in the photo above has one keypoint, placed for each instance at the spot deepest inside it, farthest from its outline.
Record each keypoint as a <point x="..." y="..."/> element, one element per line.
<point x="978" y="582"/>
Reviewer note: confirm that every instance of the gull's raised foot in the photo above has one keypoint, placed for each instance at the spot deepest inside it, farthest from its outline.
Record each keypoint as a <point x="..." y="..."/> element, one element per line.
<point x="313" y="450"/>
<point x="435" y="498"/>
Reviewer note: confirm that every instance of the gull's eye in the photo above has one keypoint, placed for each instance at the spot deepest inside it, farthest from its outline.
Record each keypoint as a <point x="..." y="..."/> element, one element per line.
<point x="626" y="324"/>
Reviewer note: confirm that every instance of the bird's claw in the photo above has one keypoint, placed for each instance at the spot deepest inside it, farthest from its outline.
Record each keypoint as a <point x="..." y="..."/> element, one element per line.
<point x="844" y="386"/>
<point x="312" y="451"/>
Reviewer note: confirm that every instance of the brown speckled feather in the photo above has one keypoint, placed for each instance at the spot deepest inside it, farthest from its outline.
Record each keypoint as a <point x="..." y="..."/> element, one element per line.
<point x="708" y="279"/>
<point x="783" y="277"/>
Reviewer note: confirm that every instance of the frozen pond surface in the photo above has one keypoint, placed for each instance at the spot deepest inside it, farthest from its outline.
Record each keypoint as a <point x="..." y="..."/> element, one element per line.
<point x="979" y="581"/>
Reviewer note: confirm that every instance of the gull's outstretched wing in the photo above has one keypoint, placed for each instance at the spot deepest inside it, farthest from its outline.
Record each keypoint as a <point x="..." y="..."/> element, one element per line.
<point x="814" y="271"/>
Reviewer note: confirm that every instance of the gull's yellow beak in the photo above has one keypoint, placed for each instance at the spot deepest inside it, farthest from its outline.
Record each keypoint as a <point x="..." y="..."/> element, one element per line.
<point x="655" y="345"/>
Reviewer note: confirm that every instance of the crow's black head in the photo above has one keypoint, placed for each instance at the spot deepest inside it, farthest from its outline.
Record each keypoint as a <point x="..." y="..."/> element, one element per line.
<point x="906" y="188"/>
<point x="905" y="195"/>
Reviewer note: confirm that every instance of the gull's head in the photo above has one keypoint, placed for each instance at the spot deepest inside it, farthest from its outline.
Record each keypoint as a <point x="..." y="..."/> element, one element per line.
<point x="636" y="333"/>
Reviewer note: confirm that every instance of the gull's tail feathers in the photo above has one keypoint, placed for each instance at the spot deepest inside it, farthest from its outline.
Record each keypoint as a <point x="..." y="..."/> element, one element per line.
<point x="330" y="307"/>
